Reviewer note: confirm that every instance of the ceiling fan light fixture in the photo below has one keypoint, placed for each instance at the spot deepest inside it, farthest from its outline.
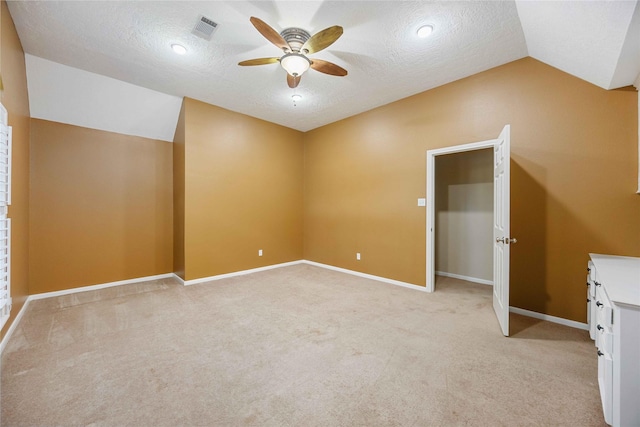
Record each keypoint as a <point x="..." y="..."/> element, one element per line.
<point x="295" y="64"/>
<point x="425" y="31"/>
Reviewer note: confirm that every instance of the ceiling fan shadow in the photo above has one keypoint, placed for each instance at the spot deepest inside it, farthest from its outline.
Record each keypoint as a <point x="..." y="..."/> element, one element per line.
<point x="352" y="58"/>
<point x="238" y="49"/>
<point x="350" y="13"/>
<point x="264" y="8"/>
<point x="267" y="6"/>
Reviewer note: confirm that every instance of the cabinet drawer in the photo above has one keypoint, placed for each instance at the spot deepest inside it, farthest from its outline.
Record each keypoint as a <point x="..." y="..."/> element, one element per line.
<point x="591" y="286"/>
<point x="591" y="301"/>
<point x="604" y="310"/>
<point x="606" y="342"/>
<point x="591" y="321"/>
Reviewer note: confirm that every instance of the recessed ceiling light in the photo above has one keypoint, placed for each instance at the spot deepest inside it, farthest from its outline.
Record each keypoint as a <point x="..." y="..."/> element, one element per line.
<point x="179" y="49"/>
<point x="296" y="97"/>
<point x="425" y="31"/>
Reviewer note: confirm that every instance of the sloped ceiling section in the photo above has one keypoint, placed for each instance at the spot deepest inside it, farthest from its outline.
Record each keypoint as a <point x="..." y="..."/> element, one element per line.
<point x="628" y="67"/>
<point x="597" y="41"/>
<point x="77" y="97"/>
<point x="81" y="53"/>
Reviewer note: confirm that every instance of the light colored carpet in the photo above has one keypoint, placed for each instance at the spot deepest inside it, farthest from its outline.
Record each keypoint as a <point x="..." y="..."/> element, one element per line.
<point x="295" y="346"/>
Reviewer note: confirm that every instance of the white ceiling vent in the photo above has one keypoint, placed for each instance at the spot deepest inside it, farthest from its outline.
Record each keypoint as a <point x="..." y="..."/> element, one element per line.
<point x="204" y="28"/>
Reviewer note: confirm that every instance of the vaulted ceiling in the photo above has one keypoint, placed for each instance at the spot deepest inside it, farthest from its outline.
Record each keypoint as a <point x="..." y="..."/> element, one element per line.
<point x="598" y="41"/>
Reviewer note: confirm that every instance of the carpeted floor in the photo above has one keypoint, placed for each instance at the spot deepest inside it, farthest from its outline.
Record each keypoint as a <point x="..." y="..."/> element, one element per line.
<point x="295" y="346"/>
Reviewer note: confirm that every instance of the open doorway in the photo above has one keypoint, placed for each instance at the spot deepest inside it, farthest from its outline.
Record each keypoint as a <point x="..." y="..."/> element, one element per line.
<point x="500" y="239"/>
<point x="464" y="216"/>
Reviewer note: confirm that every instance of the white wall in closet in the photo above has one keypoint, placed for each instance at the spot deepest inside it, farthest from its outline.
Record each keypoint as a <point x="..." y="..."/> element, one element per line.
<point x="464" y="215"/>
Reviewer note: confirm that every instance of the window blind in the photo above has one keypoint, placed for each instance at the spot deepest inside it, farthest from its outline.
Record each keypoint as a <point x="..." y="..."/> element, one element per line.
<point x="5" y="221"/>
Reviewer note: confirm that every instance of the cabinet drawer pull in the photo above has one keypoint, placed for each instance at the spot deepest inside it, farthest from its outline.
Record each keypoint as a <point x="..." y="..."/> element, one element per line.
<point x="599" y="304"/>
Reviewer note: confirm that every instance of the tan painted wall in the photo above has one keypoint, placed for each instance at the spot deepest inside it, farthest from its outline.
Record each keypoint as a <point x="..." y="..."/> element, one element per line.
<point x="101" y="207"/>
<point x="178" y="195"/>
<point x="464" y="214"/>
<point x="573" y="179"/>
<point x="243" y="192"/>
<point x="16" y="101"/>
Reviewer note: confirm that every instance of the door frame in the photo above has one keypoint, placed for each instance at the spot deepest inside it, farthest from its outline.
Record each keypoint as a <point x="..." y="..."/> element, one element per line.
<point x="431" y="197"/>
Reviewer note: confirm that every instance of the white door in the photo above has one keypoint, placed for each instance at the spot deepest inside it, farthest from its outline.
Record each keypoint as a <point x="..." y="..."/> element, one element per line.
<point x="501" y="238"/>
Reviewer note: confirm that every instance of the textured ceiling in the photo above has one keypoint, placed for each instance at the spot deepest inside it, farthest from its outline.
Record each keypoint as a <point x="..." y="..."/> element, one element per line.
<point x="130" y="41"/>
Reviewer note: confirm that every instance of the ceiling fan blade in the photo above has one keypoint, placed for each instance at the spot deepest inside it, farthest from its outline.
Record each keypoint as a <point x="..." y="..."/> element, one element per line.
<point x="323" y="39"/>
<point x="293" y="81"/>
<point x="259" y="61"/>
<point x="328" y="67"/>
<point x="270" y="34"/>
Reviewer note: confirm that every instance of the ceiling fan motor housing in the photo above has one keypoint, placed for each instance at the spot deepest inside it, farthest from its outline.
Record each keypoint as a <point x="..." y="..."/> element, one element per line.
<point x="295" y="37"/>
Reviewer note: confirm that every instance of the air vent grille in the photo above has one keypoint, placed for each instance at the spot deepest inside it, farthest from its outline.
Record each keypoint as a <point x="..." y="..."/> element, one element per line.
<point x="205" y="28"/>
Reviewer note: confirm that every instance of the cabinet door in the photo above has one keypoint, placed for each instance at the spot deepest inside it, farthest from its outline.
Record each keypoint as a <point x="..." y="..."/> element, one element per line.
<point x="607" y="397"/>
<point x="605" y="384"/>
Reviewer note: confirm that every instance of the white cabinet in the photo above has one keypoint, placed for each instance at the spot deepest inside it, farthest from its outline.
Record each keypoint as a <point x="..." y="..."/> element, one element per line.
<point x="613" y="304"/>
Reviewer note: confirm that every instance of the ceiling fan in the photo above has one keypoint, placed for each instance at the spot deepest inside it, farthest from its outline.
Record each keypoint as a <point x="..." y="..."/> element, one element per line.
<point x="296" y="44"/>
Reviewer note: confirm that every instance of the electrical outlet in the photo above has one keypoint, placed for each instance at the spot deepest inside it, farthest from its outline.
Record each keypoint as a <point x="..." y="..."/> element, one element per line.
<point x="259" y="252"/>
<point x="358" y="256"/>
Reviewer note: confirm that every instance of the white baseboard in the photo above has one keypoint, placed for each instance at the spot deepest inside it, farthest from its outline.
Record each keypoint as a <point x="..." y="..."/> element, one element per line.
<point x="13" y="326"/>
<point x="43" y="295"/>
<point x="548" y="318"/>
<point x="99" y="286"/>
<point x="516" y="310"/>
<point x="18" y="318"/>
<point x="239" y="273"/>
<point x="467" y="278"/>
<point x="368" y="276"/>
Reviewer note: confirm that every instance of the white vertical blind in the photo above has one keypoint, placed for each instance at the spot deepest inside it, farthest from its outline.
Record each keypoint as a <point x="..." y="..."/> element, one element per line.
<point x="5" y="222"/>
